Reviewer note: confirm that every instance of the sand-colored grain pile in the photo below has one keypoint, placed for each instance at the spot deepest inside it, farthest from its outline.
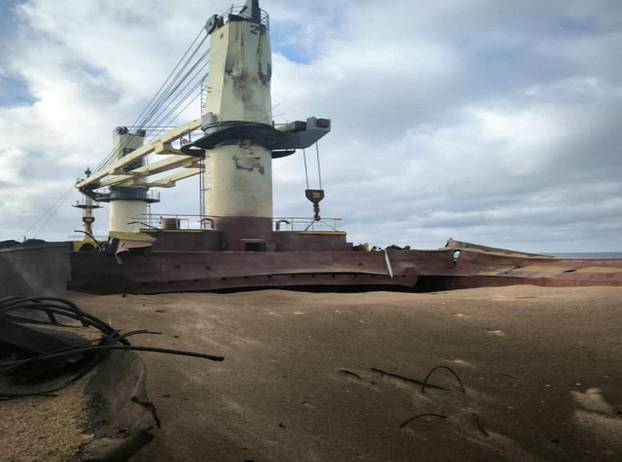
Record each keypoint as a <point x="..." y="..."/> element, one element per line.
<point x="41" y="428"/>
<point x="541" y="369"/>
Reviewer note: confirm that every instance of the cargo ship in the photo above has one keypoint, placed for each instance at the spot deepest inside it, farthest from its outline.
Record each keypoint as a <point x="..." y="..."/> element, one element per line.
<point x="235" y="242"/>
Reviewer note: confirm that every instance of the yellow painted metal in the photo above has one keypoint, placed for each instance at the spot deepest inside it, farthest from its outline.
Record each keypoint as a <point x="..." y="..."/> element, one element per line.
<point x="79" y="245"/>
<point x="139" y="174"/>
<point x="171" y="181"/>
<point x="115" y="167"/>
<point x="240" y="177"/>
<point x="166" y="148"/>
<point x="131" y="236"/>
<point x="240" y="70"/>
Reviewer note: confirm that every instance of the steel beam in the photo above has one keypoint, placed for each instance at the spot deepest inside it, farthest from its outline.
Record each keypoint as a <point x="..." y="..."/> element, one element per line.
<point x="116" y="167"/>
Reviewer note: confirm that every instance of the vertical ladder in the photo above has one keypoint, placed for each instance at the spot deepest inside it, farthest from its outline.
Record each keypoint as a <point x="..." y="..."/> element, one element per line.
<point x="204" y="92"/>
<point x="205" y="184"/>
<point x="205" y="167"/>
<point x="202" y="192"/>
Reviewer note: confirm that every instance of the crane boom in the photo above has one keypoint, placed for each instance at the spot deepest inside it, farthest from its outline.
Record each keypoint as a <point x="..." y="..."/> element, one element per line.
<point x="117" y="172"/>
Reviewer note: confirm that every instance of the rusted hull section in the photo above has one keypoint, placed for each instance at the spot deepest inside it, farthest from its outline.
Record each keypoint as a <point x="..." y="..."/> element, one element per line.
<point x="400" y="269"/>
<point x="476" y="269"/>
<point x="51" y="268"/>
<point x="195" y="271"/>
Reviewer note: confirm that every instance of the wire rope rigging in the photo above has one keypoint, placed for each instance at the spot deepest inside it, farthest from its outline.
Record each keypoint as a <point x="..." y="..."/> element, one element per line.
<point x="176" y="93"/>
<point x="315" y="196"/>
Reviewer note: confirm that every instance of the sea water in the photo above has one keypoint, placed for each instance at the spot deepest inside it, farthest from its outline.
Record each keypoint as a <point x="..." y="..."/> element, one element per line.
<point x="588" y="255"/>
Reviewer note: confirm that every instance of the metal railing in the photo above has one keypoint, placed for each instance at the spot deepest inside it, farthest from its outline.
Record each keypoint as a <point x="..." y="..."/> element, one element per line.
<point x="237" y="9"/>
<point x="83" y="203"/>
<point x="184" y="221"/>
<point x="305" y="224"/>
<point x="188" y="221"/>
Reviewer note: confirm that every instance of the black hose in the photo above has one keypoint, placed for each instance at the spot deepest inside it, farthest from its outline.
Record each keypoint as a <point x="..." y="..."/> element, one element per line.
<point x="20" y="362"/>
<point x="425" y="381"/>
<point x="112" y="339"/>
<point x="406" y="422"/>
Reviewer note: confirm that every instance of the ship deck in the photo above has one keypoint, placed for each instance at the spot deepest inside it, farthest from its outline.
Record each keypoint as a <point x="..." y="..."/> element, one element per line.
<point x="300" y="382"/>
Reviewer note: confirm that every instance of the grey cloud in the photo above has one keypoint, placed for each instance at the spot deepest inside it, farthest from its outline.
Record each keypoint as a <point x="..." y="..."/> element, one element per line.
<point x="490" y="121"/>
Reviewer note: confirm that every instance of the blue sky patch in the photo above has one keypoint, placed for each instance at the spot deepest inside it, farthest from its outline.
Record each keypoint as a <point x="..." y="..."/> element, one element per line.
<point x="14" y="91"/>
<point x="293" y="53"/>
<point x="7" y="13"/>
<point x="284" y="42"/>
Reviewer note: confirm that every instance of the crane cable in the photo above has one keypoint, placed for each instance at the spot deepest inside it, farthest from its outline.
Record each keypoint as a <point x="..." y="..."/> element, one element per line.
<point x="168" y="89"/>
<point x="191" y="85"/>
<point x="160" y="90"/>
<point x="45" y="217"/>
<point x="319" y="167"/>
<point x="189" y="75"/>
<point x="304" y="157"/>
<point x="168" y="92"/>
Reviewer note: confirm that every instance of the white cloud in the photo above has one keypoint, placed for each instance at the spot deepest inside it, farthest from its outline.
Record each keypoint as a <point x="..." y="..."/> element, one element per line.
<point x="491" y="121"/>
<point x="12" y="161"/>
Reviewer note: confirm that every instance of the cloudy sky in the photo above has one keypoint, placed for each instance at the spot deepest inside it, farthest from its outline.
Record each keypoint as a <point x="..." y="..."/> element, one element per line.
<point x="497" y="122"/>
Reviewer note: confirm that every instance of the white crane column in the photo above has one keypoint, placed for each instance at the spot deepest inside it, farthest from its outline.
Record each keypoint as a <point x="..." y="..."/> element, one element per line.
<point x="126" y="203"/>
<point x="239" y="90"/>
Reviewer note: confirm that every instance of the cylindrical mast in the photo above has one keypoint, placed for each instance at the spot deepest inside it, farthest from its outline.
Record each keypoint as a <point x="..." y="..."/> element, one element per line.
<point x="127" y="204"/>
<point x="238" y="89"/>
<point x="87" y="205"/>
<point x="87" y="216"/>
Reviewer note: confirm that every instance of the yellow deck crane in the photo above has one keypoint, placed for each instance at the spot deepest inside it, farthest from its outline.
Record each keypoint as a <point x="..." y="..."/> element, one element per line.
<point x="235" y="127"/>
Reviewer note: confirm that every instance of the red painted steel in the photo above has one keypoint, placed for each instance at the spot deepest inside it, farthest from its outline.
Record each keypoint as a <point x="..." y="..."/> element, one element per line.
<point x="411" y="269"/>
